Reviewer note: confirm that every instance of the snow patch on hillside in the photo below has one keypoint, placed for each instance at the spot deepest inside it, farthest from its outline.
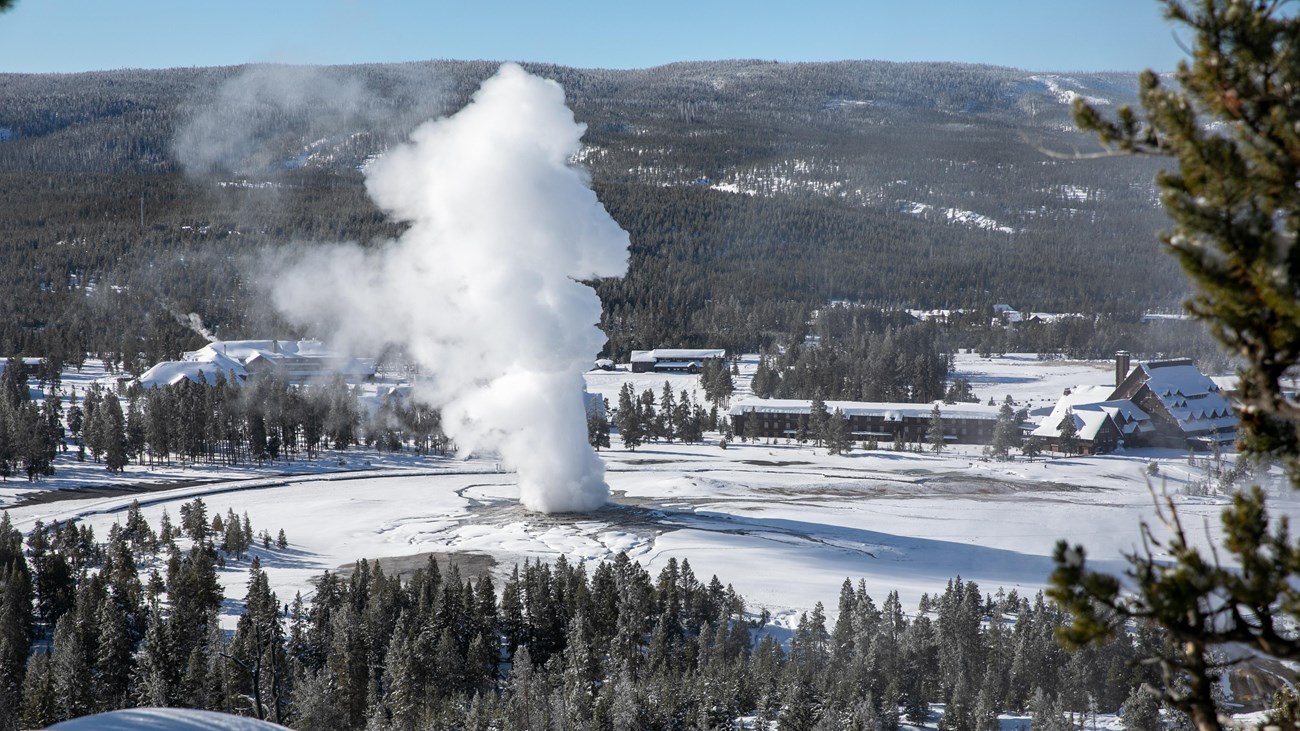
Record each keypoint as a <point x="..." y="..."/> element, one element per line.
<point x="970" y="219"/>
<point x="796" y="176"/>
<point x="847" y="104"/>
<point x="1076" y="193"/>
<point x="1055" y="88"/>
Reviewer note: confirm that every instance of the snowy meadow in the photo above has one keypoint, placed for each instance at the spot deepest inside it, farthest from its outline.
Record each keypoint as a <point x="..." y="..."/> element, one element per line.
<point x="784" y="523"/>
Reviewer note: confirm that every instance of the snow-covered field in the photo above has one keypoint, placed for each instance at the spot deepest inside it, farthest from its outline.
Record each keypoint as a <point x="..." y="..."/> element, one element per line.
<point x="784" y="524"/>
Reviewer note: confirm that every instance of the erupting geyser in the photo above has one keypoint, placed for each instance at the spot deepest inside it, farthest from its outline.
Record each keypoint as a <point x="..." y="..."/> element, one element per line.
<point x="482" y="288"/>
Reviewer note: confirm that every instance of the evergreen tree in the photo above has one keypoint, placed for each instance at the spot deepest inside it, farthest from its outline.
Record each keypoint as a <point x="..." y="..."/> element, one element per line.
<point x="839" y="439"/>
<point x="53" y="577"/>
<point x="13" y="381"/>
<point x="649" y="418"/>
<point x="114" y="434"/>
<point x="70" y="670"/>
<point x="765" y="380"/>
<point x="664" y="421"/>
<point x="194" y="520"/>
<point x="1230" y="125"/>
<point x="683" y="416"/>
<point x="716" y="379"/>
<point x="1068" y="433"/>
<point x="598" y="426"/>
<point x="135" y="434"/>
<point x="799" y="711"/>
<point x="156" y="676"/>
<point x="74" y="416"/>
<point x="753" y="430"/>
<point x="9" y="447"/>
<point x="1006" y="432"/>
<point x="36" y="440"/>
<point x="1141" y="711"/>
<point x="1031" y="447"/>
<point x="959" y="391"/>
<point x="934" y="432"/>
<point x="113" y="662"/>
<point x="631" y="427"/>
<point x="818" y="418"/>
<point x="40" y="701"/>
<point x="16" y="619"/>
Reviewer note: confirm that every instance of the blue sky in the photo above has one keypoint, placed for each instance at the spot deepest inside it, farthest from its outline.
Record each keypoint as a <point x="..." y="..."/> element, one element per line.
<point x="1040" y="35"/>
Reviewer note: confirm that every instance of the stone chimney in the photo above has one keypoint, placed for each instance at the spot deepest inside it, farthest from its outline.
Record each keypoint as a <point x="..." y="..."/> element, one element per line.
<point x="1121" y="366"/>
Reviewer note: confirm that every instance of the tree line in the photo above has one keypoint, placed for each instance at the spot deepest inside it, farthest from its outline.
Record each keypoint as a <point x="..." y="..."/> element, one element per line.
<point x="266" y="419"/>
<point x="905" y="364"/>
<point x="641" y="419"/>
<point x="88" y="627"/>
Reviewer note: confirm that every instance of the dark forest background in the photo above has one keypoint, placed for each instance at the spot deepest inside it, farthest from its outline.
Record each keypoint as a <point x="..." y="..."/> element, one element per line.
<point x="754" y="193"/>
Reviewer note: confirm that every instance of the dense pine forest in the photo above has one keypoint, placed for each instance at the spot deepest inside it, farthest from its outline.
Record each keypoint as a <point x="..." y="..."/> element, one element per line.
<point x="755" y="193"/>
<point x="560" y="646"/>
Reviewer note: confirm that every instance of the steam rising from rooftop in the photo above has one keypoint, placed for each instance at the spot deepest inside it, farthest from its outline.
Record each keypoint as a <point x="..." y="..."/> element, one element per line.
<point x="482" y="288"/>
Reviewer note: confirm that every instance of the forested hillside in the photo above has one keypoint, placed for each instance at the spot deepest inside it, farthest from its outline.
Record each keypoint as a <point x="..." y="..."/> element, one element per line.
<point x="754" y="192"/>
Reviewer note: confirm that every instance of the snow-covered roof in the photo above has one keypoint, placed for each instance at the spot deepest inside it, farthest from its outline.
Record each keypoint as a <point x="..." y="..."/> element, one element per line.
<point x="171" y="372"/>
<point x="687" y="353"/>
<point x="1015" y="316"/>
<point x="245" y="350"/>
<point x="1226" y="383"/>
<point x="1190" y="396"/>
<point x="1087" y="424"/>
<point x="1091" y="411"/>
<point x="867" y="408"/>
<point x="300" y="360"/>
<point x="1127" y="416"/>
<point x="643" y="356"/>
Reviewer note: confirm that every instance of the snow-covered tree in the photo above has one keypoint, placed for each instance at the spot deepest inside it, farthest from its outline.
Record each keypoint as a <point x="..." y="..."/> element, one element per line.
<point x="934" y="431"/>
<point x="1068" y="433"/>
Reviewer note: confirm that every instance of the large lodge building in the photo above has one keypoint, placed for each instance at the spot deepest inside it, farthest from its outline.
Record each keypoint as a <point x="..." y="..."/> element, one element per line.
<point x="882" y="422"/>
<point x="1158" y="403"/>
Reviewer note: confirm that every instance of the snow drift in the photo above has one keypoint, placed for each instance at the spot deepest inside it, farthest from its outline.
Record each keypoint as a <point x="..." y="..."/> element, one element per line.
<point x="482" y="288"/>
<point x="164" y="719"/>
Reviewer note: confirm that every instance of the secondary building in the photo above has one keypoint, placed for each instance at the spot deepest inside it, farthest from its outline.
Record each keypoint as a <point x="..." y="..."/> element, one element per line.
<point x="297" y="362"/>
<point x="1100" y="425"/>
<point x="674" y="360"/>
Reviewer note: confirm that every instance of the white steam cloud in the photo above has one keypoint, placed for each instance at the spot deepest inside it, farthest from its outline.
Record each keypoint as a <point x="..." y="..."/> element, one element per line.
<point x="482" y="289"/>
<point x="271" y="117"/>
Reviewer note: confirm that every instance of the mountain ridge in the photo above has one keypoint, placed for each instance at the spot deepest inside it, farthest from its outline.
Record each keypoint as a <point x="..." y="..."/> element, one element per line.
<point x="773" y="187"/>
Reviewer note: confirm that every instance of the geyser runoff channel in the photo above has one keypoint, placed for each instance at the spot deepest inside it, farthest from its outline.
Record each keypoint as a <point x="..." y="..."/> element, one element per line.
<point x="483" y="287"/>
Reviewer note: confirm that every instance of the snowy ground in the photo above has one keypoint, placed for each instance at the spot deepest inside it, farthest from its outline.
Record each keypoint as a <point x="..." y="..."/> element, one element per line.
<point x="784" y="524"/>
<point x="1029" y="381"/>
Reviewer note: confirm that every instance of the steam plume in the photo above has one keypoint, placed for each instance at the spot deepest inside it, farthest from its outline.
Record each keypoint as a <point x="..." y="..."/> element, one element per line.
<point x="270" y="117"/>
<point x="481" y="289"/>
